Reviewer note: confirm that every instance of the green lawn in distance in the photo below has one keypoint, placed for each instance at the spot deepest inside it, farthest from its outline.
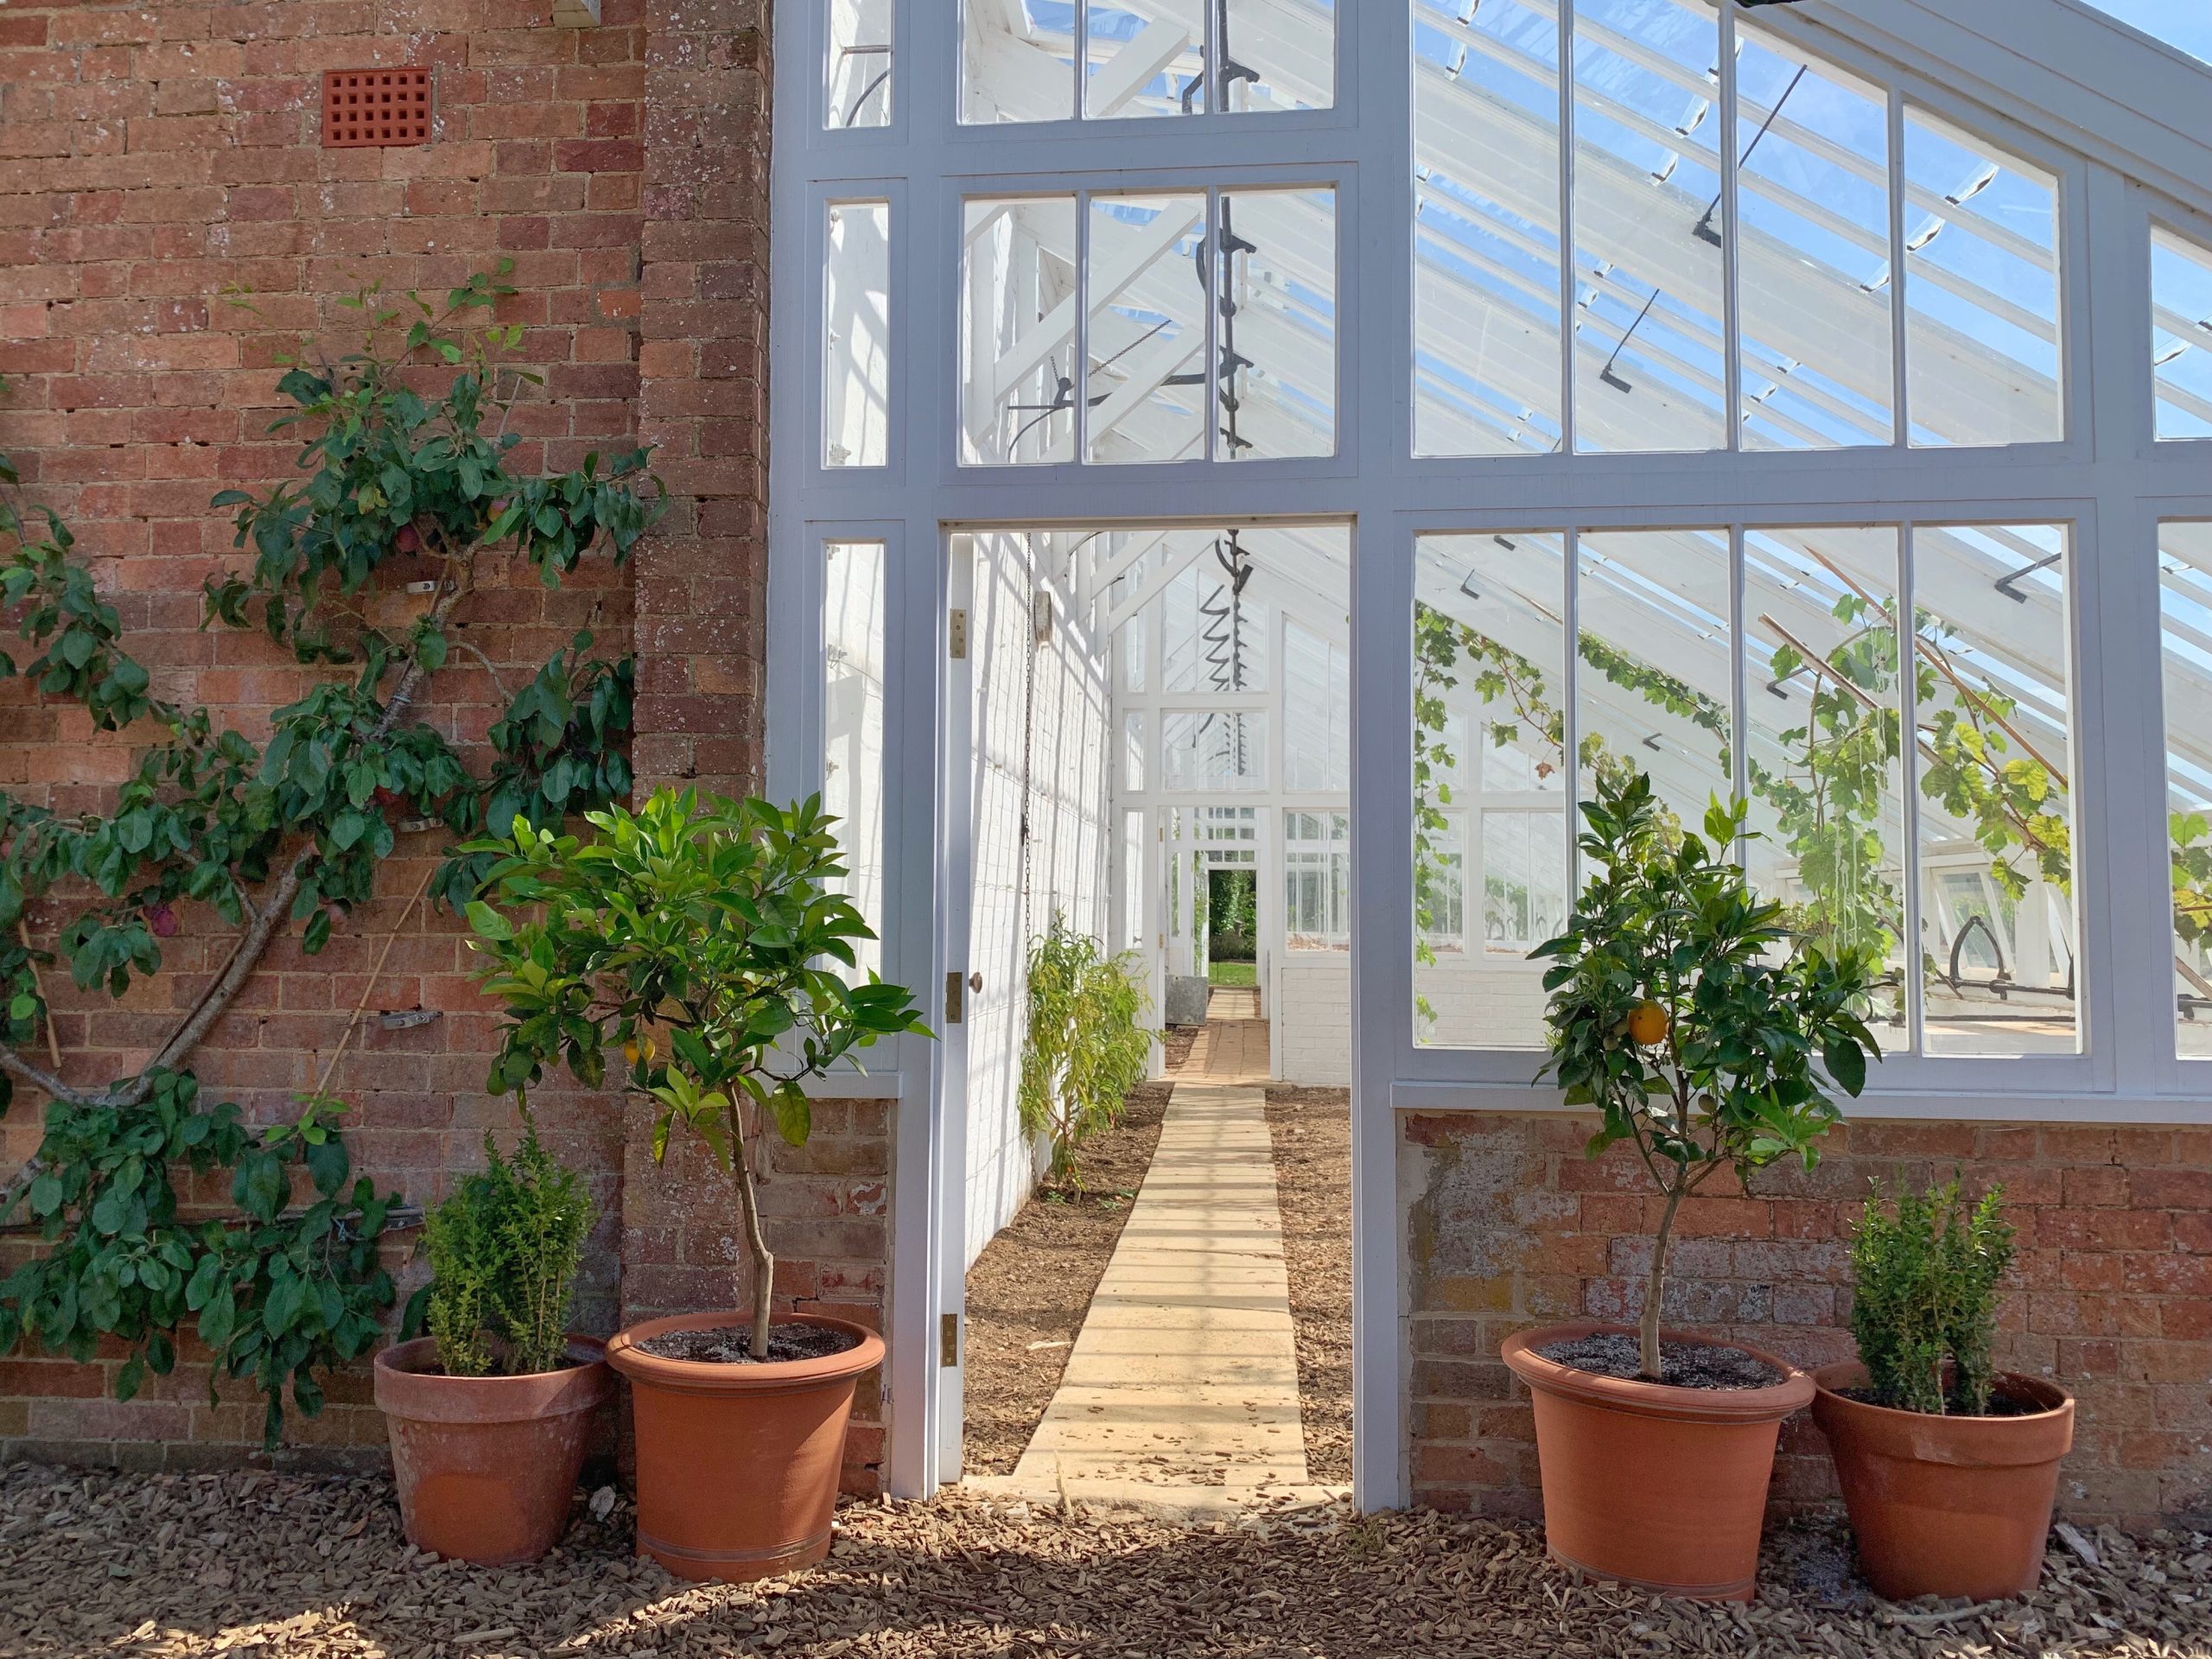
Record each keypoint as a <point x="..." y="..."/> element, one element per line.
<point x="1232" y="973"/>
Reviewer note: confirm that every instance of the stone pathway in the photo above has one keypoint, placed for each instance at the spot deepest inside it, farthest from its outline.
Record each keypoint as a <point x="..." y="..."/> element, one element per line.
<point x="1181" y="1393"/>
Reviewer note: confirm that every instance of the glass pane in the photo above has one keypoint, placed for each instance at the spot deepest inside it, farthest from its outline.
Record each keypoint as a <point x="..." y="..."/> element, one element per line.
<point x="1017" y="62"/>
<point x="1981" y="290"/>
<point x="1133" y="751"/>
<point x="1317" y="865"/>
<point x="852" y="726"/>
<point x="1017" y="332"/>
<point x="1276" y="327"/>
<point x="1147" y="336"/>
<point x="859" y="64"/>
<point x="1317" y="712"/>
<point x="1486" y="289"/>
<point x="1214" y="625"/>
<point x="1277" y="57"/>
<point x="1994" y="712"/>
<point x="856" y="334"/>
<point x="2180" y="335"/>
<point x="1489" y="661"/>
<point x="1824" y="717"/>
<point x="1215" y="750"/>
<point x="1647" y="225"/>
<point x="1148" y="60"/>
<point x="1812" y="263"/>
<point x="2185" y="614"/>
<point x="1524" y="898"/>
<point x="1656" y="663"/>
<point x="1133" y="881"/>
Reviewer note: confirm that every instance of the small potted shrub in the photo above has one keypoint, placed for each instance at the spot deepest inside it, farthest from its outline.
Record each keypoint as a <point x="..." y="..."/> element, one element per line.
<point x="1682" y="1010"/>
<point x="1949" y="1466"/>
<point x="700" y="940"/>
<point x="489" y="1414"/>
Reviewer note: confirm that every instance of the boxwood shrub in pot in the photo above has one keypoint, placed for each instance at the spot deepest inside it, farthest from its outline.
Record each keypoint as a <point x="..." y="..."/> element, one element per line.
<point x="491" y="1413"/>
<point x="1949" y="1466"/>
<point x="1707" y="1036"/>
<point x="702" y="941"/>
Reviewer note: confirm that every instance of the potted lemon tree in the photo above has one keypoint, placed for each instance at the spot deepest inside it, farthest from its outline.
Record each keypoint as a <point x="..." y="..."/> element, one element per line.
<point x="490" y="1413"/>
<point x="700" y="941"/>
<point x="1707" y="1038"/>
<point x="1949" y="1466"/>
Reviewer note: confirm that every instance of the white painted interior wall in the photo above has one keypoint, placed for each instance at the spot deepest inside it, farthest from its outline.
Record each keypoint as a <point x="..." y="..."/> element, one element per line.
<point x="1040" y="770"/>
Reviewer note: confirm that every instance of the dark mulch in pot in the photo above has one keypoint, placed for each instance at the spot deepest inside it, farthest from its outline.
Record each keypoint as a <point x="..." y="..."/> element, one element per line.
<point x="732" y="1345"/>
<point x="1312" y="1132"/>
<point x="1028" y="1291"/>
<point x="1682" y="1364"/>
<point x="2002" y="1404"/>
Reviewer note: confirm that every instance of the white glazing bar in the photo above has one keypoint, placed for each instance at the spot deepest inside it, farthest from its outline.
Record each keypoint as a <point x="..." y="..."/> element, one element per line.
<point x="1908" y="743"/>
<point x="1569" y="262"/>
<point x="1732" y="300"/>
<point x="1570" y="693"/>
<point x="1901" y="381"/>
<point x="1739" y="719"/>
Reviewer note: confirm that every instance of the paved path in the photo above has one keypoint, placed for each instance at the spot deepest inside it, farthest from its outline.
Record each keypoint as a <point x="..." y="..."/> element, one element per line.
<point x="1181" y="1393"/>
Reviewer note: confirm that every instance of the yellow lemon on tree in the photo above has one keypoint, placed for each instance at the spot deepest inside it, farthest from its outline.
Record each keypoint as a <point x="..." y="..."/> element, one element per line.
<point x="1647" y="1024"/>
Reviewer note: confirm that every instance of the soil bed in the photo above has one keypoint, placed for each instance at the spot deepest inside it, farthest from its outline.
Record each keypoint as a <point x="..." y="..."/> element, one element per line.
<point x="1029" y="1290"/>
<point x="732" y="1345"/>
<point x="1682" y="1364"/>
<point x="1312" y="1132"/>
<point x="302" y="1567"/>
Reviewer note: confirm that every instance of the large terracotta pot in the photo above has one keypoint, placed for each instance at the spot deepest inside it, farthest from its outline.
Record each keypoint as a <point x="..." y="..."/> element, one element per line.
<point x="1947" y="1506"/>
<point x="485" y="1465"/>
<point x="738" y="1465"/>
<point x="1659" y="1487"/>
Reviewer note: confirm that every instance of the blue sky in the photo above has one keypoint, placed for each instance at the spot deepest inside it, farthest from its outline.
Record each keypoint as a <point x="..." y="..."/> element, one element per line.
<point x="2185" y="23"/>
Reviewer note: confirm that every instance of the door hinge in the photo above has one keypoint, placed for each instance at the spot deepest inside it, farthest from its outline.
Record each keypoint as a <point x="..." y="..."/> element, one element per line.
<point x="955" y="635"/>
<point x="948" y="1339"/>
<point x="955" y="985"/>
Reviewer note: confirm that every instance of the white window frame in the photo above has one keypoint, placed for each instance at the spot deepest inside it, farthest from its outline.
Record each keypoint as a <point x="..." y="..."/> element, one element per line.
<point x="2092" y="100"/>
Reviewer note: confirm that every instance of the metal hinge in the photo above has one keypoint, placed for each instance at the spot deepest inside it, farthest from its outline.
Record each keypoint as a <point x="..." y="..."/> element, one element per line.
<point x="955" y="635"/>
<point x="948" y="1339"/>
<point x="955" y="986"/>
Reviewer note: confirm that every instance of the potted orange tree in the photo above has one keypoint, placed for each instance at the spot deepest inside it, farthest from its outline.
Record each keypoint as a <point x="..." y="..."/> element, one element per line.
<point x="1949" y="1466"/>
<point x="1707" y="1037"/>
<point x="490" y="1413"/>
<point x="701" y="940"/>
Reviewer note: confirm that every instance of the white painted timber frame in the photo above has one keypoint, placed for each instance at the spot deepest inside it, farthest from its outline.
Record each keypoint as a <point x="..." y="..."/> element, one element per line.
<point x="2125" y="126"/>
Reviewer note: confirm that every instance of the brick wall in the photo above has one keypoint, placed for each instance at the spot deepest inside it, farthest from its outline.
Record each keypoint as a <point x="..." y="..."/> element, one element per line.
<point x="152" y="156"/>
<point x="1509" y="1226"/>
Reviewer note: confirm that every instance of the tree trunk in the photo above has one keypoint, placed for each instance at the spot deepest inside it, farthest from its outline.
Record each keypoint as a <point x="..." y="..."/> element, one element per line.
<point x="1655" y="1288"/>
<point x="763" y="1264"/>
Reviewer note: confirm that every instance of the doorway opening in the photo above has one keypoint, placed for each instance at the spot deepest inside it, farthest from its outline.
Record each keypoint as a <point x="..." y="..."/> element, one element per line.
<point x="1158" y="784"/>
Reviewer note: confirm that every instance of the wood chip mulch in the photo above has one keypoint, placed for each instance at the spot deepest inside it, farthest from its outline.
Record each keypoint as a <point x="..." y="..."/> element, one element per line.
<point x="306" y="1567"/>
<point x="1029" y="1290"/>
<point x="1312" y="1132"/>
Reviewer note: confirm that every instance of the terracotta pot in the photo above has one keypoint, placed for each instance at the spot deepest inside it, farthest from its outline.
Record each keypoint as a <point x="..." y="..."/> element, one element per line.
<point x="487" y="1464"/>
<point x="1947" y="1506"/>
<point x="738" y="1465"/>
<point x="1659" y="1487"/>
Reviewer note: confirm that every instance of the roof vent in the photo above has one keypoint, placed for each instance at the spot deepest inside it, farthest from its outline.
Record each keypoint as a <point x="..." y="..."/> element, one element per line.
<point x="364" y="109"/>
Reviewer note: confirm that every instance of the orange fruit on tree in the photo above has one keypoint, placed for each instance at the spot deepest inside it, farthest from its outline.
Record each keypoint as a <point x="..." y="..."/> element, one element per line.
<point x="1647" y="1024"/>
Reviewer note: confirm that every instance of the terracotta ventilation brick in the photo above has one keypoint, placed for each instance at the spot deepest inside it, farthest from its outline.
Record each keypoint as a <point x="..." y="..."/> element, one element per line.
<point x="363" y="108"/>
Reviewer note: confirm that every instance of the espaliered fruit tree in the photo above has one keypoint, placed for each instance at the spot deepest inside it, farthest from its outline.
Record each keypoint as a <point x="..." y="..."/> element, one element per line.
<point x="362" y="569"/>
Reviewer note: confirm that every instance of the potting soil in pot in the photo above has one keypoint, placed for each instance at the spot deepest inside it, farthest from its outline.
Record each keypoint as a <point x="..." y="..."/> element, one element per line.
<point x="732" y="1345"/>
<point x="2002" y="1404"/>
<point x="1682" y="1364"/>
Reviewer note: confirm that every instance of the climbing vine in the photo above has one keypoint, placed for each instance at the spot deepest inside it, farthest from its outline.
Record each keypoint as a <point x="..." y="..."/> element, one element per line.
<point x="1828" y="792"/>
<point x="361" y="567"/>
